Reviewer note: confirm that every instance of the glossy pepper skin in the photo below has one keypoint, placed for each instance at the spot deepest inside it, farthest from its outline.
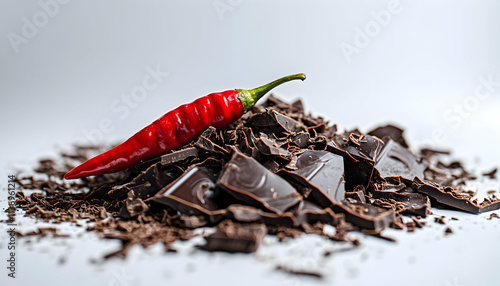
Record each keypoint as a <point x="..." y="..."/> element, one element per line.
<point x="176" y="128"/>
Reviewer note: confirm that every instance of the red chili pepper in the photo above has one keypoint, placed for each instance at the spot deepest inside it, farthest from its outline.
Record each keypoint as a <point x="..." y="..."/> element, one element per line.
<point x="176" y="128"/>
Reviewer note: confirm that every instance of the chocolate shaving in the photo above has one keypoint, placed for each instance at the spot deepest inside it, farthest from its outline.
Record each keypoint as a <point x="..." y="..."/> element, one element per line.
<point x="449" y="197"/>
<point x="299" y="272"/>
<point x="491" y="174"/>
<point x="493" y="215"/>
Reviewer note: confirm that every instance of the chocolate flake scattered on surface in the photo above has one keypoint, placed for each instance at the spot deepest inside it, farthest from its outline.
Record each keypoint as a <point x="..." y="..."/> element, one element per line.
<point x="448" y="231"/>
<point x="299" y="272"/>
<point x="491" y="174"/>
<point x="439" y="219"/>
<point x="493" y="215"/>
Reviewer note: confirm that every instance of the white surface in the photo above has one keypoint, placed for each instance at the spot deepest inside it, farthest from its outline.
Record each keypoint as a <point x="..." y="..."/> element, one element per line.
<point x="71" y="73"/>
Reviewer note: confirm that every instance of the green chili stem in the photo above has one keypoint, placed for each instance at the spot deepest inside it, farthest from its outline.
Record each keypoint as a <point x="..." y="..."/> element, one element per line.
<point x="250" y="97"/>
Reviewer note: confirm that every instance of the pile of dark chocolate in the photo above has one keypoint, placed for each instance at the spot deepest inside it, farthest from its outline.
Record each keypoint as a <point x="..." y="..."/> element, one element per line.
<point x="275" y="171"/>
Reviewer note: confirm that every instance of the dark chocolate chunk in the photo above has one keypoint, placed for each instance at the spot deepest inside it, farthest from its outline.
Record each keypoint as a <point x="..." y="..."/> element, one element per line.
<point x="295" y="108"/>
<point x="242" y="213"/>
<point x="192" y="193"/>
<point x="365" y="216"/>
<point x="389" y="132"/>
<point x="358" y="170"/>
<point x="395" y="160"/>
<point x="145" y="185"/>
<point x="322" y="172"/>
<point x="310" y="213"/>
<point x="300" y="139"/>
<point x="413" y="203"/>
<point x="269" y="147"/>
<point x="250" y="182"/>
<point x="275" y="122"/>
<point x="272" y="166"/>
<point x="359" y="153"/>
<point x="235" y="237"/>
<point x="247" y="143"/>
<point x="357" y="195"/>
<point x="314" y="131"/>
<point x="439" y="176"/>
<point x="206" y="144"/>
<point x="359" y="144"/>
<point x="179" y="155"/>
<point x="449" y="197"/>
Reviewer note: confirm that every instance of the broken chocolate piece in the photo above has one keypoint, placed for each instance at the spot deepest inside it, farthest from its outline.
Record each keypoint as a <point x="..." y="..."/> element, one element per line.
<point x="365" y="216"/>
<point x="358" y="194"/>
<point x="359" y="144"/>
<point x="192" y="194"/>
<point x="389" y="132"/>
<point x="206" y="144"/>
<point x="310" y="213"/>
<point x="269" y="147"/>
<point x="284" y="106"/>
<point x="235" y="237"/>
<point x="242" y="213"/>
<point x="145" y="185"/>
<point x="414" y="203"/>
<point x="275" y="122"/>
<point x="300" y="139"/>
<point x="179" y="155"/>
<point x="250" y="182"/>
<point x="359" y="153"/>
<point x="449" y="197"/>
<point x="395" y="160"/>
<point x="322" y="172"/>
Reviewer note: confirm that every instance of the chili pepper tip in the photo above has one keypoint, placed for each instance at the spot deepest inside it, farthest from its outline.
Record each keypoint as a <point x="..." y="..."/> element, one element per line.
<point x="250" y="97"/>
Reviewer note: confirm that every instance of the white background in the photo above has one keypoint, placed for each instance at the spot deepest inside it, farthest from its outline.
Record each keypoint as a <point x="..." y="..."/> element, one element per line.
<point x="418" y="67"/>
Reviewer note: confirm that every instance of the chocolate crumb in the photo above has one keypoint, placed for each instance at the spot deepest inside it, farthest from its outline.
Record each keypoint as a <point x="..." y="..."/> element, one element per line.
<point x="493" y="215"/>
<point x="491" y="174"/>
<point x="411" y="226"/>
<point x="299" y="272"/>
<point x="440" y="220"/>
<point x="448" y="231"/>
